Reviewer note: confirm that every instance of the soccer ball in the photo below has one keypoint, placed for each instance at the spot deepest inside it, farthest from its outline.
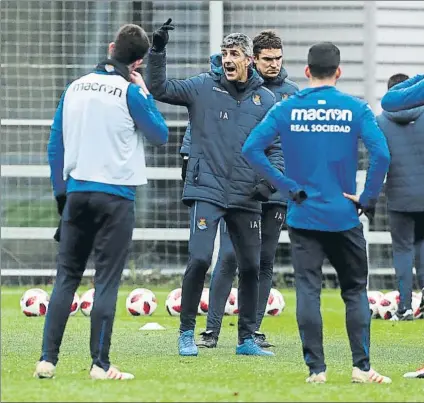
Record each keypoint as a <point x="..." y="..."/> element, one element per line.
<point x="34" y="302"/>
<point x="231" y="306"/>
<point x="86" y="302"/>
<point x="374" y="298"/>
<point x="388" y="305"/>
<point x="416" y="301"/>
<point x="173" y="302"/>
<point x="141" y="301"/>
<point x="275" y="304"/>
<point x="75" y="305"/>
<point x="203" y="307"/>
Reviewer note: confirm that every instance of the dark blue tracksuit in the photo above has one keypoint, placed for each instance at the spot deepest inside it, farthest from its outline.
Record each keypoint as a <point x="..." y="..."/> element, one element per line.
<point x="404" y="131"/>
<point x="97" y="217"/>
<point x="219" y="182"/>
<point x="319" y="130"/>
<point x="273" y="217"/>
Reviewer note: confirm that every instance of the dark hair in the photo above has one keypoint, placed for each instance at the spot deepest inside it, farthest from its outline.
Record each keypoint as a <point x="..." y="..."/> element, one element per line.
<point x="323" y="60"/>
<point x="131" y="44"/>
<point x="396" y="79"/>
<point x="266" y="40"/>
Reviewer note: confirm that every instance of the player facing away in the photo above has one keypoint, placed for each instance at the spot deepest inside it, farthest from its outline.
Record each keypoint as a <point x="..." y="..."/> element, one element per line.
<point x="404" y="131"/>
<point x="319" y="129"/>
<point x="268" y="59"/>
<point x="96" y="157"/>
<point x="406" y="95"/>
<point x="223" y="110"/>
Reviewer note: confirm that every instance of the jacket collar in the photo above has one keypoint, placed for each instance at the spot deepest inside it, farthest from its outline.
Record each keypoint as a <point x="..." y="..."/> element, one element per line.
<point x="113" y="67"/>
<point x="237" y="89"/>
<point x="276" y="81"/>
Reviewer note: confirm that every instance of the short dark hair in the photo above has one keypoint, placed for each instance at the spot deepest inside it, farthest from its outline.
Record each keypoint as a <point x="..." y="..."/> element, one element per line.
<point x="131" y="44"/>
<point x="266" y="40"/>
<point x="323" y="60"/>
<point x="396" y="79"/>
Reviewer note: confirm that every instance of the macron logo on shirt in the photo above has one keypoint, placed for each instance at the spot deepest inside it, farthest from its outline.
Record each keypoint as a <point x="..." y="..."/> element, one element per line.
<point x="322" y="114"/>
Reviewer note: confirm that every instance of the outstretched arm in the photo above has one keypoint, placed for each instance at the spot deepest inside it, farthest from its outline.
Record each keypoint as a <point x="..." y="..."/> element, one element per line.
<point x="175" y="92"/>
<point x="406" y="95"/>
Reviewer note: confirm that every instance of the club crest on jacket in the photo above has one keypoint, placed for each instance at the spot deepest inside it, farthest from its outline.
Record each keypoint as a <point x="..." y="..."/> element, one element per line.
<point x="256" y="98"/>
<point x="201" y="223"/>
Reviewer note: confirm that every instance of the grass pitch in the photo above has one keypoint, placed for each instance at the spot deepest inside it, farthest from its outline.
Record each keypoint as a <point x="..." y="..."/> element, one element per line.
<point x="215" y="375"/>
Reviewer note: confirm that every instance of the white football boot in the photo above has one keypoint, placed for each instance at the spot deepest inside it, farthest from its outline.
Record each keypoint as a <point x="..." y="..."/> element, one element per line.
<point x="317" y="378"/>
<point x="44" y="370"/>
<point x="419" y="373"/>
<point x="112" y="373"/>
<point x="370" y="376"/>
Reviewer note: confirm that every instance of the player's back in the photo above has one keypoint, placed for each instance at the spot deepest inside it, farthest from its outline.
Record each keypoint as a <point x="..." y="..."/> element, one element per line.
<point x="100" y="138"/>
<point x="319" y="132"/>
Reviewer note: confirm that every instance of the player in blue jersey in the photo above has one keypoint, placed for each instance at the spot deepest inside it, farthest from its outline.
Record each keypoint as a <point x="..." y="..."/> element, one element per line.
<point x="319" y="129"/>
<point x="96" y="157"/>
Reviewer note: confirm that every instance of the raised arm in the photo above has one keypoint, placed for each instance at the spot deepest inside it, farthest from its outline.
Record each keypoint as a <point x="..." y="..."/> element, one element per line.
<point x="175" y="92"/>
<point x="406" y="95"/>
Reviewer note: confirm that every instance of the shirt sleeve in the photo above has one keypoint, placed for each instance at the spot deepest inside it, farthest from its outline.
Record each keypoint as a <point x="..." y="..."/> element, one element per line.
<point x="56" y="150"/>
<point x="406" y="95"/>
<point x="254" y="148"/>
<point x="146" y="116"/>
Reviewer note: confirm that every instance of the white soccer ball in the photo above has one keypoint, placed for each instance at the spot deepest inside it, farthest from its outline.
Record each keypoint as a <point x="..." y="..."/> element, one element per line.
<point x="275" y="304"/>
<point x="231" y="306"/>
<point x="173" y="302"/>
<point x="416" y="301"/>
<point x="203" y="307"/>
<point x="374" y="298"/>
<point x="34" y="302"/>
<point x="75" y="305"/>
<point x="388" y="305"/>
<point x="141" y="301"/>
<point x="86" y="302"/>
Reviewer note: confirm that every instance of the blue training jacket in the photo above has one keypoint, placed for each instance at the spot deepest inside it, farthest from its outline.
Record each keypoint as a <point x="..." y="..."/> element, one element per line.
<point x="319" y="129"/>
<point x="405" y="95"/>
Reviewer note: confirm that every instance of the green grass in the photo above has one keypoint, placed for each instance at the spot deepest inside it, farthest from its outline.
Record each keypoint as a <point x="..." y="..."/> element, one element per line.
<point x="215" y="375"/>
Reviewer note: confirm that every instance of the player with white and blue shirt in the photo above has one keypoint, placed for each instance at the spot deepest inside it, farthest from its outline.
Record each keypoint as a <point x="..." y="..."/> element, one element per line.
<point x="319" y="128"/>
<point x="96" y="156"/>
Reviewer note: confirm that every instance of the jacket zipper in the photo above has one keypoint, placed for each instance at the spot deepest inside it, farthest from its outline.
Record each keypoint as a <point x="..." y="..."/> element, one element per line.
<point x="230" y="169"/>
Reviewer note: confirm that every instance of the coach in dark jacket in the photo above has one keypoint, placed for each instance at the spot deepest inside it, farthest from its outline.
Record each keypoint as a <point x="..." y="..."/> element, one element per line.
<point x="404" y="131"/>
<point x="222" y="114"/>
<point x="219" y="182"/>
